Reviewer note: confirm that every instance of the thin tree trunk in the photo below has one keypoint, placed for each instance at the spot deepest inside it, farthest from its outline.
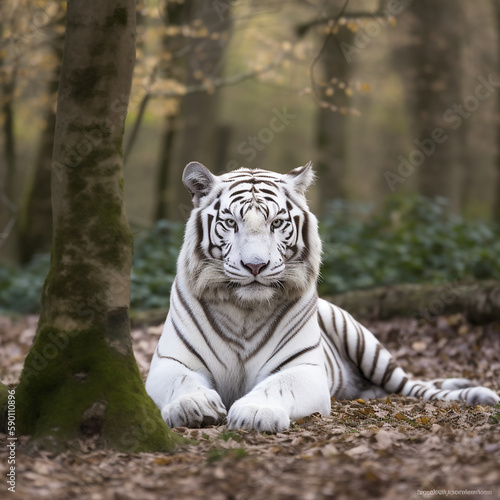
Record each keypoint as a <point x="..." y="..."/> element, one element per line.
<point x="332" y="133"/>
<point x="8" y="209"/>
<point x="196" y="143"/>
<point x="177" y="14"/>
<point x="165" y="165"/>
<point x="8" y="88"/>
<point x="197" y="133"/>
<point x="429" y="59"/>
<point x="468" y="172"/>
<point x="496" y="203"/>
<point x="80" y="377"/>
<point x="35" y="231"/>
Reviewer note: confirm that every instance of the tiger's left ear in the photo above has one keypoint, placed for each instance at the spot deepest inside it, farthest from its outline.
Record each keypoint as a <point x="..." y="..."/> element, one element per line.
<point x="301" y="177"/>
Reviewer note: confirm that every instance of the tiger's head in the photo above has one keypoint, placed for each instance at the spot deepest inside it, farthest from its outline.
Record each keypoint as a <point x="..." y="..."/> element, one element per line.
<point x="250" y="237"/>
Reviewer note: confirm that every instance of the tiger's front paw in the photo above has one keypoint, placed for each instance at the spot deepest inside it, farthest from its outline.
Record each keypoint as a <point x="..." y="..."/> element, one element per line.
<point x="259" y="417"/>
<point x="195" y="410"/>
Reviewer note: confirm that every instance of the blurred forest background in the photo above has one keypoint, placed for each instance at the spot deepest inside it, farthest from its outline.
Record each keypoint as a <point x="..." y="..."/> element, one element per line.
<point x="395" y="102"/>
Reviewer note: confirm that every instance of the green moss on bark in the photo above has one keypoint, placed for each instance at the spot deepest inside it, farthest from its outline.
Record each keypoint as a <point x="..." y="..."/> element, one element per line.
<point x="77" y="382"/>
<point x="85" y="83"/>
<point x="91" y="234"/>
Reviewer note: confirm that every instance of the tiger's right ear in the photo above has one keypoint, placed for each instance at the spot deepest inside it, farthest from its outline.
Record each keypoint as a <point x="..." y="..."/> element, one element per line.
<point x="198" y="181"/>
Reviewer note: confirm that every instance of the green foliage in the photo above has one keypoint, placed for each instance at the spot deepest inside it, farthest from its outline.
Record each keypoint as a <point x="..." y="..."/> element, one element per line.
<point x="153" y="271"/>
<point x="409" y="240"/>
<point x="227" y="435"/>
<point x="154" y="264"/>
<point x="21" y="287"/>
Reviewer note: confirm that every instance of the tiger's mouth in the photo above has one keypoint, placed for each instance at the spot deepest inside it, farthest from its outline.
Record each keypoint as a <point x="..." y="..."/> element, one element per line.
<point x="254" y="294"/>
<point x="254" y="285"/>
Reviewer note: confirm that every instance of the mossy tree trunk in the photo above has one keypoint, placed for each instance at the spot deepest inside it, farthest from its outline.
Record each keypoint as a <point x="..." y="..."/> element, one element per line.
<point x="80" y="377"/>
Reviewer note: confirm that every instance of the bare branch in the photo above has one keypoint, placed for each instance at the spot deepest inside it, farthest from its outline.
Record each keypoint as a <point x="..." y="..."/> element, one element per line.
<point x="219" y="82"/>
<point x="135" y="129"/>
<point x="331" y="23"/>
<point x="12" y="220"/>
<point x="193" y="89"/>
<point x="302" y="29"/>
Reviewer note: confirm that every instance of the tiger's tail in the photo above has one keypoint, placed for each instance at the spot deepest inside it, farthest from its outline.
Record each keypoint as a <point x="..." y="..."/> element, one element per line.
<point x="358" y="365"/>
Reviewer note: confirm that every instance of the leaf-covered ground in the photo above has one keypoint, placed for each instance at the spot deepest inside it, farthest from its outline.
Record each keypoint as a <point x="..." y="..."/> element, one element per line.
<point x="394" y="448"/>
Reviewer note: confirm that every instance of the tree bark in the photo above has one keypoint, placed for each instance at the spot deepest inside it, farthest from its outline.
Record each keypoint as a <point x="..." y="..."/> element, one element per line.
<point x="332" y="133"/>
<point x="8" y="89"/>
<point x="8" y="85"/>
<point x="179" y="15"/>
<point x="429" y="58"/>
<point x="80" y="377"/>
<point x="496" y="203"/>
<point x="479" y="302"/>
<point x="164" y="166"/>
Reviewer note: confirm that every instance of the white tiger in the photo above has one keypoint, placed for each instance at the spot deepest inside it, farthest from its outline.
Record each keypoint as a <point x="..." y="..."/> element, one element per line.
<point x="246" y="337"/>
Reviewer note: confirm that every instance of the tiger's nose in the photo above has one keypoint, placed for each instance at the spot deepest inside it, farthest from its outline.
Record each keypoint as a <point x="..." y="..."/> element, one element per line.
<point x="255" y="268"/>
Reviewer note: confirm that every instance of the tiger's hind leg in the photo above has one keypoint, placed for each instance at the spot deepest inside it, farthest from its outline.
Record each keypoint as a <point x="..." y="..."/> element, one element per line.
<point x="358" y="365"/>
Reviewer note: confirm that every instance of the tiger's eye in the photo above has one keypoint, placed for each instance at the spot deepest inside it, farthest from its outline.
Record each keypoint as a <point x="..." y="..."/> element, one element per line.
<point x="230" y="223"/>
<point x="277" y="223"/>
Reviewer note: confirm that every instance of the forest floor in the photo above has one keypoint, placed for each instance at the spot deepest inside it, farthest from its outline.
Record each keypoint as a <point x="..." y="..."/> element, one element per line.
<point x="394" y="448"/>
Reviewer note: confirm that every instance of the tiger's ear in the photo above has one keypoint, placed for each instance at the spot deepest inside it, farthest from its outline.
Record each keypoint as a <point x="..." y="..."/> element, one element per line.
<point x="301" y="177"/>
<point x="198" y="181"/>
